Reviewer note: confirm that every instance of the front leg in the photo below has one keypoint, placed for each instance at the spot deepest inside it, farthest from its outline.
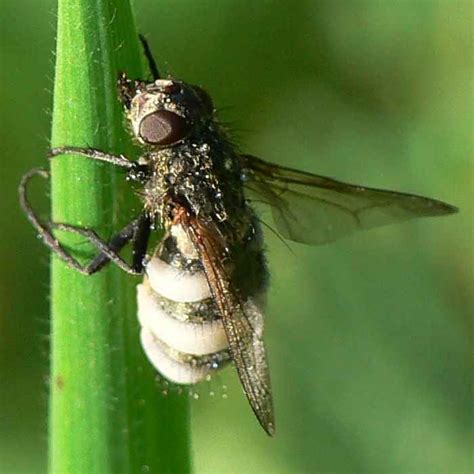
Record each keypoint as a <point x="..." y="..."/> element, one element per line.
<point x="135" y="171"/>
<point x="93" y="154"/>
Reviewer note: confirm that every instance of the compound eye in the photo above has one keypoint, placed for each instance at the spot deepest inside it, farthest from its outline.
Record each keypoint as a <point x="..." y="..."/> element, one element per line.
<point x="163" y="128"/>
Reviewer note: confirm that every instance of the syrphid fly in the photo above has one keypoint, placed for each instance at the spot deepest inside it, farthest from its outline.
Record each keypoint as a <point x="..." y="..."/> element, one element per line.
<point x="201" y="302"/>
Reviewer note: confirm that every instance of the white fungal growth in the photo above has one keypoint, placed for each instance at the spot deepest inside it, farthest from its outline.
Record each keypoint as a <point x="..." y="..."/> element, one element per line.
<point x="195" y="338"/>
<point x="181" y="331"/>
<point x="171" y="366"/>
<point x="177" y="284"/>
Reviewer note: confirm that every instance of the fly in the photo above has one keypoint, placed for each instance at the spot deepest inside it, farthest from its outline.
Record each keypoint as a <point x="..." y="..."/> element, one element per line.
<point x="201" y="302"/>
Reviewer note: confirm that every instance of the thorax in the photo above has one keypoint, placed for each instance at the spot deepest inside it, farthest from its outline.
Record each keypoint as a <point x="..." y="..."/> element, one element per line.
<point x="203" y="175"/>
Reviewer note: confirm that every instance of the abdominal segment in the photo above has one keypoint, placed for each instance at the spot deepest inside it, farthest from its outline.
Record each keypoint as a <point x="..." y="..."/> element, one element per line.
<point x="185" y="341"/>
<point x="182" y="333"/>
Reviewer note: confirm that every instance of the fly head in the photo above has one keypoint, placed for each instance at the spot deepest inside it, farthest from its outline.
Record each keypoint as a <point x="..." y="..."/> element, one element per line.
<point x="165" y="111"/>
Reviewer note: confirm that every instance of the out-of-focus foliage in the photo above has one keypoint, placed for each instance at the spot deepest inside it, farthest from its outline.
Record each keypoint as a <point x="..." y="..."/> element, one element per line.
<point x="369" y="339"/>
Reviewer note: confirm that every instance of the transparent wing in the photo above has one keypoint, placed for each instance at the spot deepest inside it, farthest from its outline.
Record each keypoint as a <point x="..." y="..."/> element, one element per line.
<point x="316" y="210"/>
<point x="243" y="324"/>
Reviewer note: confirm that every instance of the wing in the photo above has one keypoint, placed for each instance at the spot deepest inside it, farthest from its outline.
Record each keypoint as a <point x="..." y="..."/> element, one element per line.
<point x="243" y="323"/>
<point x="316" y="210"/>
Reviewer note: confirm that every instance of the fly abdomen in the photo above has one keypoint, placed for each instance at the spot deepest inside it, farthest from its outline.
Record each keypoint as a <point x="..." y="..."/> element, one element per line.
<point x="187" y="327"/>
<point x="182" y="332"/>
<point x="179" y="367"/>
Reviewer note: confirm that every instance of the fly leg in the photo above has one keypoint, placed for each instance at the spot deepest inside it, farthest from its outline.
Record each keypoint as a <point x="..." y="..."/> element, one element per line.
<point x="140" y="242"/>
<point x="108" y="250"/>
<point x="135" y="171"/>
<point x="92" y="153"/>
<point x="127" y="88"/>
<point x="139" y="232"/>
<point x="149" y="57"/>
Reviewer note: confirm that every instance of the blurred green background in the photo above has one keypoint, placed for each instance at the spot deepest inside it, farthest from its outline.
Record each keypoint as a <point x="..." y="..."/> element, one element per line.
<point x="369" y="339"/>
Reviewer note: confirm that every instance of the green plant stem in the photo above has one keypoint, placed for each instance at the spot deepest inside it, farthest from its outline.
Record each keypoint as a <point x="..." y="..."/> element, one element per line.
<point x="107" y="414"/>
